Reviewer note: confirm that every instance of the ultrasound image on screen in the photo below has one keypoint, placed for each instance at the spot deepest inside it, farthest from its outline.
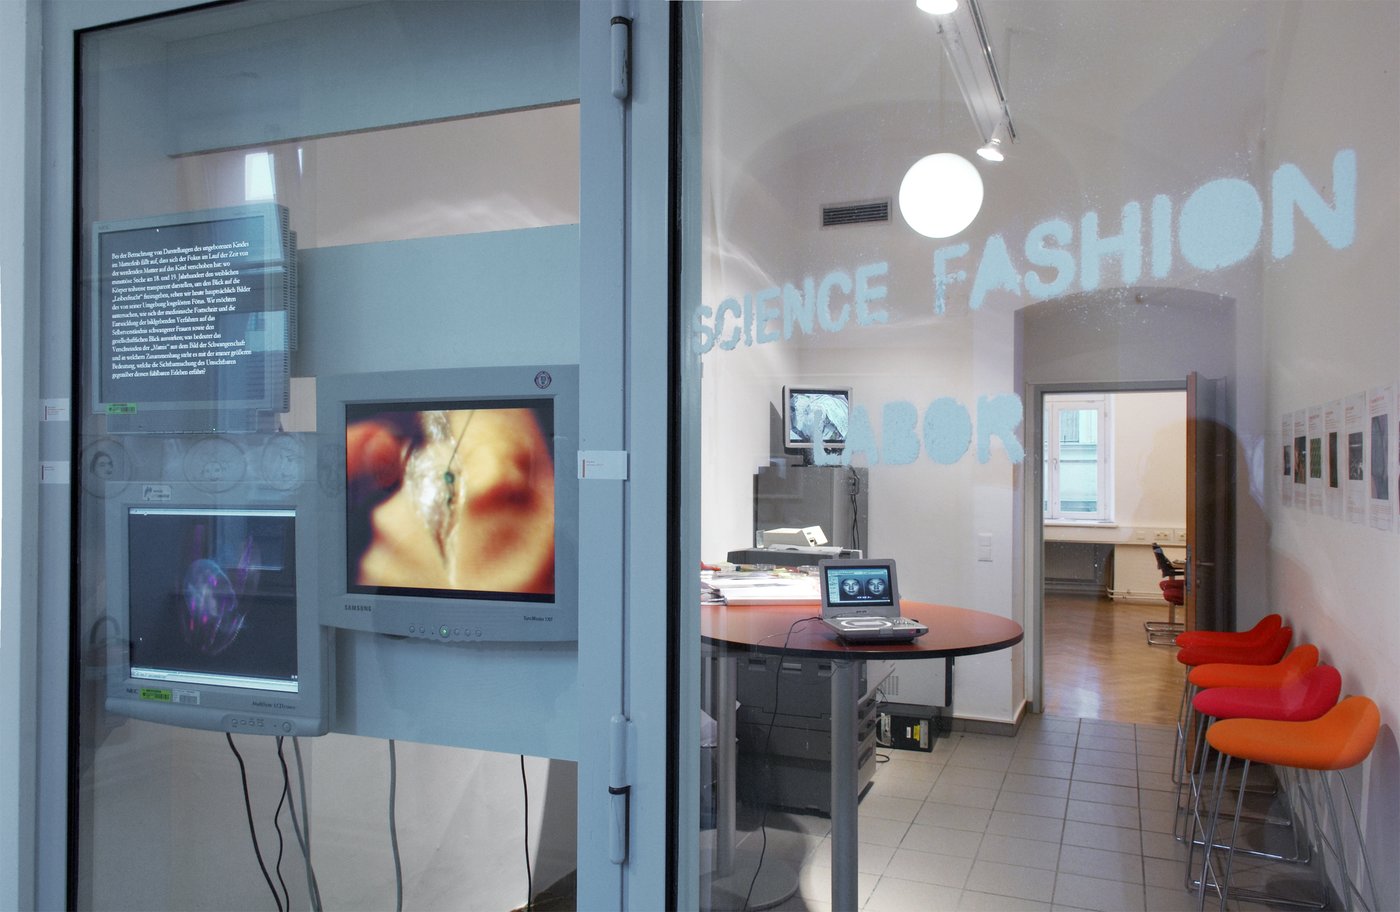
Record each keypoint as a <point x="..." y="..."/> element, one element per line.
<point x="452" y="499"/>
<point x="213" y="597"/>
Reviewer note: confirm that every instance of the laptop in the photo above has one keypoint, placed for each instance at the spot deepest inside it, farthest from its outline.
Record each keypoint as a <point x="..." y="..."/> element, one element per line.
<point x="860" y="601"/>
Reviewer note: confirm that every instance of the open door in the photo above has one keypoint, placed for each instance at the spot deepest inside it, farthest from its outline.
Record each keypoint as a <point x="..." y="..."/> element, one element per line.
<point x="1210" y="518"/>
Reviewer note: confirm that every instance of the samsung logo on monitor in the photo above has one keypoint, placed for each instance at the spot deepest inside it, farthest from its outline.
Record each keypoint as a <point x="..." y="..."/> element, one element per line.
<point x="355" y="606"/>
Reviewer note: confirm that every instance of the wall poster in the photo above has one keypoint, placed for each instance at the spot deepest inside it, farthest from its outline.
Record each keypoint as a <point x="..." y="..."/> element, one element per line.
<point x="1380" y="408"/>
<point x="1316" y="460"/>
<point x="1354" y="427"/>
<point x="1335" y="452"/>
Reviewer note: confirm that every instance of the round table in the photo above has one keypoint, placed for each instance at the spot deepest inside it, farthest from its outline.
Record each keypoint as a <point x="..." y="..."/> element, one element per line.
<point x="795" y="629"/>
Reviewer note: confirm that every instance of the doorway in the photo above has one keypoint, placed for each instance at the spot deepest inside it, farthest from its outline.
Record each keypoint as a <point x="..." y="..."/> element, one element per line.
<point x="1113" y="469"/>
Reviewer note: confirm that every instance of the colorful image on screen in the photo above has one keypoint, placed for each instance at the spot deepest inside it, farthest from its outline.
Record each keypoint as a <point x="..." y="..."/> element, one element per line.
<point x="451" y="498"/>
<point x="213" y="596"/>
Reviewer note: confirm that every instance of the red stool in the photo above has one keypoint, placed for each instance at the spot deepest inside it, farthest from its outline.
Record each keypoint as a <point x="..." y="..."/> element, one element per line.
<point x="1252" y="648"/>
<point x="1266" y="626"/>
<point x="1164" y="633"/>
<point x="1340" y="739"/>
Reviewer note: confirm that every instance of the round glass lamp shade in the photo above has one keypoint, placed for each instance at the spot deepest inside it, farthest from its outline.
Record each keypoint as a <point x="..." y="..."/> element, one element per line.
<point x="940" y="195"/>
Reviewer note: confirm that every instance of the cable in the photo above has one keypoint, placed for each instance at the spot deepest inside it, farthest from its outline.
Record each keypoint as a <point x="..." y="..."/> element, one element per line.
<point x="767" y="741"/>
<point x="393" y="829"/>
<point x="277" y="825"/>
<point x="855" y="509"/>
<point x="252" y="830"/>
<point x="529" y="878"/>
<point x="303" y="839"/>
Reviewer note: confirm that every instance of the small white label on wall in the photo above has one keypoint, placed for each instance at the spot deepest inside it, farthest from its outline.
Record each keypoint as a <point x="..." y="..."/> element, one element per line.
<point x="609" y="465"/>
<point x="54" y="410"/>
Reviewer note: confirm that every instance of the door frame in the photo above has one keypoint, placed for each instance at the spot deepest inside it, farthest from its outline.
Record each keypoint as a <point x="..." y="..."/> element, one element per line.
<point x="1032" y="518"/>
<point x="624" y="401"/>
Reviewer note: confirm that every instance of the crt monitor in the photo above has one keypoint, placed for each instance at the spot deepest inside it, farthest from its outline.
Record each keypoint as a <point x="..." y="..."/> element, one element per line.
<point x="214" y="597"/>
<point x="451" y="503"/>
<point x="816" y="415"/>
<point x="193" y="319"/>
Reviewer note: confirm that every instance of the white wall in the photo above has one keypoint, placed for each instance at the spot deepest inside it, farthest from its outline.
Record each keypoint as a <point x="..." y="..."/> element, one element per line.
<point x="1332" y="328"/>
<point x="1149" y="462"/>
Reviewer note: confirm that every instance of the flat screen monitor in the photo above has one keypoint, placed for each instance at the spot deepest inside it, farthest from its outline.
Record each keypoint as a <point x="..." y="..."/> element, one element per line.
<point x="193" y="319"/>
<point x="815" y="415"/>
<point x="216" y="603"/>
<point x="451" y="500"/>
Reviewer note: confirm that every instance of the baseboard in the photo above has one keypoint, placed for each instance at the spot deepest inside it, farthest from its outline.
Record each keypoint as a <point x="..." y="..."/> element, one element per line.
<point x="989" y="726"/>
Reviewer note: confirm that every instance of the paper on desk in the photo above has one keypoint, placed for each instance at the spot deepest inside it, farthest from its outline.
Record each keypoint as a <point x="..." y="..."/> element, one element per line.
<point x="761" y="589"/>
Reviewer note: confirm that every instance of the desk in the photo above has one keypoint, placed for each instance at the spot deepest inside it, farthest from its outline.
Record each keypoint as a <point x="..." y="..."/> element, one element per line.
<point x="775" y="629"/>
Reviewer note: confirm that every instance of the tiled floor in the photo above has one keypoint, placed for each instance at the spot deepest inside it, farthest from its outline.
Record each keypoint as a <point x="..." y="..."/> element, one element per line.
<point x="1069" y="814"/>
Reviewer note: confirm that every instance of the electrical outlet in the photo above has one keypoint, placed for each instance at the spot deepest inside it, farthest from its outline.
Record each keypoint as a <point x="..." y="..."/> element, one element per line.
<point x="1162" y="535"/>
<point x="1140" y="535"/>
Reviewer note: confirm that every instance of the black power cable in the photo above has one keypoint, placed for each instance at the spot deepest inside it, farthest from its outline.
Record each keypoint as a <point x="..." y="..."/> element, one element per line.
<point x="277" y="825"/>
<point x="303" y="830"/>
<point x="303" y="841"/>
<point x="252" y="829"/>
<point x="394" y="829"/>
<point x="767" y="741"/>
<point x="529" y="877"/>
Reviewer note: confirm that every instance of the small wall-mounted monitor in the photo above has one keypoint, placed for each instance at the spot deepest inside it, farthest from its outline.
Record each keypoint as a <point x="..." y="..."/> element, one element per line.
<point x="816" y="416"/>
<point x="214" y="597"/>
<point x="451" y="503"/>
<point x="193" y="318"/>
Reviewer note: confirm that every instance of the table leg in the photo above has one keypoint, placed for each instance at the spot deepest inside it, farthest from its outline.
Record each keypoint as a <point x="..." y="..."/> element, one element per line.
<point x="845" y="835"/>
<point x="726" y="685"/>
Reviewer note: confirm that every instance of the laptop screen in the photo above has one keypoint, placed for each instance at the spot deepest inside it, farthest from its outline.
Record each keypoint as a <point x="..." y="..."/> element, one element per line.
<point x="858" y="587"/>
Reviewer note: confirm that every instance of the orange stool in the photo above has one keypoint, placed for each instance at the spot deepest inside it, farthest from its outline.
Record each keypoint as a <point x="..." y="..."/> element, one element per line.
<point x="1304" y="698"/>
<point x="1224" y="674"/>
<point x="1340" y="739"/>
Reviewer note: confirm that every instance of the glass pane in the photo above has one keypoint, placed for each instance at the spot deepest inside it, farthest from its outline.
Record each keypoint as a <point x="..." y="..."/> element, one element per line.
<point x="1142" y="197"/>
<point x="1079" y="461"/>
<point x="279" y="203"/>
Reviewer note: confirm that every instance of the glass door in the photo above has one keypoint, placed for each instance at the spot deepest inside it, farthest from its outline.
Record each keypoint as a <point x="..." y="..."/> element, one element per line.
<point x="332" y="393"/>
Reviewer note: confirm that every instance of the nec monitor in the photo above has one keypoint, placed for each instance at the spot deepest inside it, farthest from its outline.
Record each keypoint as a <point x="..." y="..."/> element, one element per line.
<point x="193" y="318"/>
<point x="816" y="416"/>
<point x="451" y="497"/>
<point x="214" y="601"/>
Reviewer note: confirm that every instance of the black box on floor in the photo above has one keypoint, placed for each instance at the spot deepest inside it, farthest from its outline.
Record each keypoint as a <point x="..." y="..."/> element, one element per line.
<point x="907" y="726"/>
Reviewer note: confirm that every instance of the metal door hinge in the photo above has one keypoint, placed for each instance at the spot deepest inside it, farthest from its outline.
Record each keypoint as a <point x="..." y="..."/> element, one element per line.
<point x="619" y="790"/>
<point x="621" y="57"/>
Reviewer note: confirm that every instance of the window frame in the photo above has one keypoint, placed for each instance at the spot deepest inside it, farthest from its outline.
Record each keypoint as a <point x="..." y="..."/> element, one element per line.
<point x="1054" y="405"/>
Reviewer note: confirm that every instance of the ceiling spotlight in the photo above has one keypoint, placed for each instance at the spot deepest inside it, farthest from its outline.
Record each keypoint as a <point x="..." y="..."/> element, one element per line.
<point x="992" y="151"/>
<point x="969" y="50"/>
<point x="940" y="195"/>
<point x="938" y="7"/>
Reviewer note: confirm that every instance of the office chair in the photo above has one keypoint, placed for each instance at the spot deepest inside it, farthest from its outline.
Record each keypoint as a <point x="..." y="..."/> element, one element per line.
<point x="1163" y="633"/>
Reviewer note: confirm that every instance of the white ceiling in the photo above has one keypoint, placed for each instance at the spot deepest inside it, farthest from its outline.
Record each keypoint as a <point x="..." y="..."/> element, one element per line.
<point x="815" y="103"/>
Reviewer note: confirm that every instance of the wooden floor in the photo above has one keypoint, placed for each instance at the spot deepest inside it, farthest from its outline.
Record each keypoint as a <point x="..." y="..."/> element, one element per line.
<point x="1098" y="664"/>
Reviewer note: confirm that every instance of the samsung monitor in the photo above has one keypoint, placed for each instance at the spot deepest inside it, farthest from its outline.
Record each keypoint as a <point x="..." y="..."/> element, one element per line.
<point x="451" y="503"/>
<point x="816" y="416"/>
<point x="214" y="600"/>
<point x="193" y="318"/>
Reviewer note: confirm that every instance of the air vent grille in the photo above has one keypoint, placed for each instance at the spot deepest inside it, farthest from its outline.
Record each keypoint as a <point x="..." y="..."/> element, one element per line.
<point x="856" y="213"/>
